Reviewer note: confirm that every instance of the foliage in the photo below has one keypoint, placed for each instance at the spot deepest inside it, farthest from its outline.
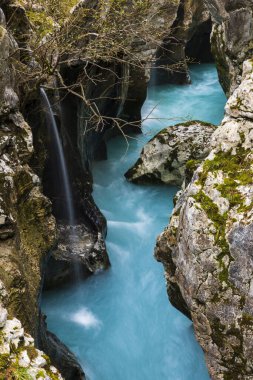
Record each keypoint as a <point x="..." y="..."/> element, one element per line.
<point x="93" y="31"/>
<point x="98" y="36"/>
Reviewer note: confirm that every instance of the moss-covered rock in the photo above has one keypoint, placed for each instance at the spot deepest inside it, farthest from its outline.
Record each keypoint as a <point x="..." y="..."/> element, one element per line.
<point x="207" y="248"/>
<point x="19" y="359"/>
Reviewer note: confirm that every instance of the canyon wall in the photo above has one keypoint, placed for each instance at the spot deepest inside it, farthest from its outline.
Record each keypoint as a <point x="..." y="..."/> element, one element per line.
<point x="27" y="234"/>
<point x="206" y="249"/>
<point x="231" y="40"/>
<point x="29" y="231"/>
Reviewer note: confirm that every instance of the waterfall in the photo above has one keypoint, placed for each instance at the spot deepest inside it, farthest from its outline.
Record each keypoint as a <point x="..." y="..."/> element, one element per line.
<point x="59" y="150"/>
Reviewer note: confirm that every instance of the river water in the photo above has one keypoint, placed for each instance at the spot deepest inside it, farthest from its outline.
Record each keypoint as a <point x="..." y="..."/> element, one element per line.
<point x="120" y="323"/>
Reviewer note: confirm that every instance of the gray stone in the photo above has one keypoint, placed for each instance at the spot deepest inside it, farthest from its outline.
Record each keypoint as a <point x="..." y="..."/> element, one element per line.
<point x="3" y="316"/>
<point x="164" y="158"/>
<point x="207" y="249"/>
<point x="231" y="38"/>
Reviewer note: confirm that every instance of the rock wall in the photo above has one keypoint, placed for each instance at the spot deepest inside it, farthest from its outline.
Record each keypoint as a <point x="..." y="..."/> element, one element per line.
<point x="187" y="40"/>
<point x="27" y="226"/>
<point x="232" y="38"/>
<point x="19" y="358"/>
<point x="207" y="248"/>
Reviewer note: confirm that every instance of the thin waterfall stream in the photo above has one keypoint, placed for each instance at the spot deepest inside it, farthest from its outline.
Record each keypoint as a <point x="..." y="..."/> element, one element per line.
<point x="52" y="127"/>
<point x="120" y="323"/>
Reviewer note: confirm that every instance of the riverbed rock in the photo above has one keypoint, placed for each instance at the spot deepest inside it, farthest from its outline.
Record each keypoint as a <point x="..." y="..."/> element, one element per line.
<point x="79" y="252"/>
<point x="207" y="248"/>
<point x="164" y="157"/>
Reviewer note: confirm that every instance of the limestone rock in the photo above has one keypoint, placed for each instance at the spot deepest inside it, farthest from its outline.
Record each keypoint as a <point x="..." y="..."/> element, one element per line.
<point x="3" y="316"/>
<point x="79" y="252"/>
<point x="187" y="39"/>
<point x="207" y="248"/>
<point x="27" y="226"/>
<point x="164" y="158"/>
<point x="18" y="356"/>
<point x="232" y="38"/>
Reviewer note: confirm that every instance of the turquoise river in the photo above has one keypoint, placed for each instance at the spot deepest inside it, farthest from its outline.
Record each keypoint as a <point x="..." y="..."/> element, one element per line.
<point x="120" y="323"/>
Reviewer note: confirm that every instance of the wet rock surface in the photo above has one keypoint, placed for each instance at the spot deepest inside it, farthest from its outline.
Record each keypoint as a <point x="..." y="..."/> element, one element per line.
<point x="207" y="248"/>
<point x="79" y="253"/>
<point x="164" y="159"/>
<point x="59" y="353"/>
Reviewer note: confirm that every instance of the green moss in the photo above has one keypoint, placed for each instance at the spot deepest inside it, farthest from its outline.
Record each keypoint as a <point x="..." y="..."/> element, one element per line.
<point x="192" y="164"/>
<point x="228" y="190"/>
<point x="42" y="23"/>
<point x="50" y="14"/>
<point x="4" y="362"/>
<point x="245" y="178"/>
<point x="11" y="370"/>
<point x="40" y="374"/>
<point x="247" y="319"/>
<point x="52" y="375"/>
<point x="211" y="209"/>
<point x="20" y="373"/>
<point x="47" y="359"/>
<point x="219" y="221"/>
<point x="217" y="332"/>
<point x="237" y="169"/>
<point x="238" y="103"/>
<point x="190" y="168"/>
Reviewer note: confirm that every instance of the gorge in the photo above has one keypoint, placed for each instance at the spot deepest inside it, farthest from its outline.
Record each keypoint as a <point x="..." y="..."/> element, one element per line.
<point x="94" y="58"/>
<point x="123" y="316"/>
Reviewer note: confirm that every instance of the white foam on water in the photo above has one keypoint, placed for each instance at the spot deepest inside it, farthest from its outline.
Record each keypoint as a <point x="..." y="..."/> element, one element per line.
<point x="86" y="318"/>
<point x="123" y="253"/>
<point x="140" y="227"/>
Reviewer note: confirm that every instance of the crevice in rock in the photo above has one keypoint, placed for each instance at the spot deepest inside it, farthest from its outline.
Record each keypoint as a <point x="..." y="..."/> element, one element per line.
<point x="198" y="48"/>
<point x="188" y="42"/>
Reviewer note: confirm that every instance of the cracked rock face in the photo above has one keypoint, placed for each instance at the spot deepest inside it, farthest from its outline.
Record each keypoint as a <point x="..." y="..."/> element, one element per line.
<point x="27" y="228"/>
<point x="79" y="252"/>
<point x="27" y="233"/>
<point x="164" y="158"/>
<point x="207" y="248"/>
<point x="232" y="38"/>
<point x="18" y="356"/>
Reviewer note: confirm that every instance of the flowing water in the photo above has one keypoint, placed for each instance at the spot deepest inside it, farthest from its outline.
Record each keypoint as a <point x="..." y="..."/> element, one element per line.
<point x="120" y="323"/>
<point x="53" y="130"/>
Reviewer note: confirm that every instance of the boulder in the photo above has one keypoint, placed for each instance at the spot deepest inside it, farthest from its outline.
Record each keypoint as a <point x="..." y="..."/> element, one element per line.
<point x="164" y="158"/>
<point x="79" y="252"/>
